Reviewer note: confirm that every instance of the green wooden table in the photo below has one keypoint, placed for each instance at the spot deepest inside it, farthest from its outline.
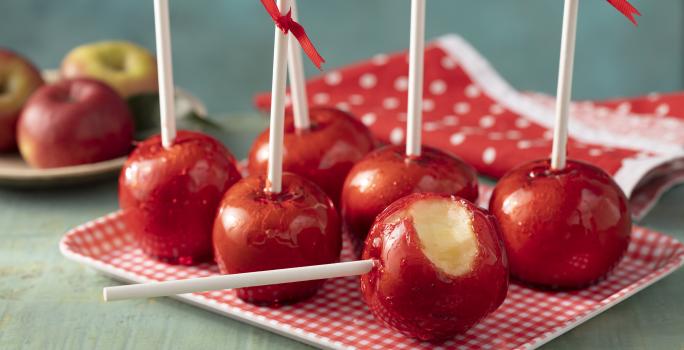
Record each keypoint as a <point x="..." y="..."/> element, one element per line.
<point x="49" y="302"/>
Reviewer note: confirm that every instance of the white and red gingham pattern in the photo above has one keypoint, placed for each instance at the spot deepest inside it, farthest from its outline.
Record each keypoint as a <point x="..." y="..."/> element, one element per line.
<point x="337" y="318"/>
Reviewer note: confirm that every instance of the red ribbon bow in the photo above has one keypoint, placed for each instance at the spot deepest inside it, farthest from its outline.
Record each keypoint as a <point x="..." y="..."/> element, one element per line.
<point x="287" y="24"/>
<point x="626" y="8"/>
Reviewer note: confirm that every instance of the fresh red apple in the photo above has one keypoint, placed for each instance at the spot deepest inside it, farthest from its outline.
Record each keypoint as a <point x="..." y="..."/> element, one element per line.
<point x="74" y="122"/>
<point x="441" y="266"/>
<point x="323" y="154"/>
<point x="387" y="174"/>
<point x="169" y="197"/>
<point x="562" y="228"/>
<point x="256" y="230"/>
<point x="129" y="68"/>
<point x="19" y="78"/>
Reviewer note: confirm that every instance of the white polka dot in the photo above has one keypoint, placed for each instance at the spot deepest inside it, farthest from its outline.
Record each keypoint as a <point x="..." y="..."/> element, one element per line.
<point x="524" y="144"/>
<point x="472" y="91"/>
<point x="321" y="98"/>
<point x="548" y="135"/>
<point x="430" y="126"/>
<point x="428" y="105"/>
<point x="595" y="152"/>
<point x="288" y="100"/>
<point x="343" y="106"/>
<point x="489" y="155"/>
<point x="487" y="121"/>
<point x="401" y="83"/>
<point x="462" y="108"/>
<point x="390" y="103"/>
<point x="401" y="116"/>
<point x="513" y="134"/>
<point x="522" y="123"/>
<point x="438" y="87"/>
<point x="448" y="62"/>
<point x="450" y="120"/>
<point x="356" y="99"/>
<point x="663" y="109"/>
<point x="496" y="109"/>
<point x="368" y="81"/>
<point x="333" y="78"/>
<point x="457" y="139"/>
<point x="495" y="136"/>
<point x="397" y="136"/>
<point x="379" y="59"/>
<point x="624" y="108"/>
<point x="369" y="119"/>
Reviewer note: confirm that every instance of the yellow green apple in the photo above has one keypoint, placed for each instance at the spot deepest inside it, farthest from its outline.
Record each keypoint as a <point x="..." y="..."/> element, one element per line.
<point x="128" y="68"/>
<point x="19" y="78"/>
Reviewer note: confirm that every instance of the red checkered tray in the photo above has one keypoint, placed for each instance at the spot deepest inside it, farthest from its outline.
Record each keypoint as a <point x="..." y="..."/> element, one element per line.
<point x="337" y="318"/>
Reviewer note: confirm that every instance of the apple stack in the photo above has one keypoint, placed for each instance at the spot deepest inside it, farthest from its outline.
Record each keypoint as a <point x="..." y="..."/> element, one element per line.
<point x="433" y="263"/>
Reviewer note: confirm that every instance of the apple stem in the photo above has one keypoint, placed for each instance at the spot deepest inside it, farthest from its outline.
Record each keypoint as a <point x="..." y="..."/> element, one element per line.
<point x="564" y="93"/>
<point x="295" y="66"/>
<point x="242" y="280"/>
<point x="165" y="72"/>
<point x="415" y="88"/>
<point x="275" y="141"/>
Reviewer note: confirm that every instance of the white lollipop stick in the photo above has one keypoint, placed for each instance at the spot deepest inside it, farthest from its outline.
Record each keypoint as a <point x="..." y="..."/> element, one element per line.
<point x="251" y="279"/>
<point x="564" y="93"/>
<point x="275" y="141"/>
<point x="414" y="120"/>
<point x="300" y="105"/>
<point x="165" y="72"/>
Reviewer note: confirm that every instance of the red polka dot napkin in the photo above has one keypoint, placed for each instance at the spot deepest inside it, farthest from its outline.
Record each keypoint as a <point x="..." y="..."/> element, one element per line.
<point x="474" y="113"/>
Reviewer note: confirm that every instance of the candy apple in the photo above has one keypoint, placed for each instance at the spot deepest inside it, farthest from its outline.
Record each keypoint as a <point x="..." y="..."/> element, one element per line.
<point x="169" y="197"/>
<point x="74" y="122"/>
<point x="562" y="228"/>
<point x="128" y="68"/>
<point x="256" y="230"/>
<point x="441" y="266"/>
<point x="387" y="174"/>
<point x="19" y="78"/>
<point x="323" y="154"/>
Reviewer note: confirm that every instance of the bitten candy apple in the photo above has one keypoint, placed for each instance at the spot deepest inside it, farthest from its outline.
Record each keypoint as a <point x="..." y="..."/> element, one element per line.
<point x="323" y="154"/>
<point x="440" y="267"/>
<point x="562" y="228"/>
<point x="256" y="230"/>
<point x="387" y="174"/>
<point x="170" y="196"/>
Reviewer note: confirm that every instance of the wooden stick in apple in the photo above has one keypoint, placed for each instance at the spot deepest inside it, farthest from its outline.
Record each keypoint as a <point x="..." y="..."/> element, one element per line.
<point x="415" y="88"/>
<point x="275" y="159"/>
<point x="165" y="68"/>
<point x="564" y="93"/>
<point x="300" y="104"/>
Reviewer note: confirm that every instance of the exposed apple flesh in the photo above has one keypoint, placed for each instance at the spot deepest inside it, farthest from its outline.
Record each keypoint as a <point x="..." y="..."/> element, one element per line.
<point x="562" y="228"/>
<point x="441" y="266"/>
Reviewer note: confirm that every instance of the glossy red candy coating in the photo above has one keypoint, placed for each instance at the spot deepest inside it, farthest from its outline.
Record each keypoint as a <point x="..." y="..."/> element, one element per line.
<point x="409" y="293"/>
<point x="323" y="154"/>
<point x="565" y="228"/>
<point x="255" y="230"/>
<point x="387" y="174"/>
<point x="170" y="196"/>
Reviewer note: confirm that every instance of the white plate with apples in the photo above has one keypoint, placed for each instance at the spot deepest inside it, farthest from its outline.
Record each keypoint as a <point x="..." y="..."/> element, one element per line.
<point x="106" y="60"/>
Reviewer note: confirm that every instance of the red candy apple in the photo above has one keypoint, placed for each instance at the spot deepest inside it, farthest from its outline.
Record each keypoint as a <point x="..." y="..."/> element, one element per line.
<point x="18" y="80"/>
<point x="170" y="196"/>
<point x="441" y="266"/>
<point x="562" y="228"/>
<point x="256" y="230"/>
<point x="387" y="174"/>
<point x="74" y="122"/>
<point x="323" y="154"/>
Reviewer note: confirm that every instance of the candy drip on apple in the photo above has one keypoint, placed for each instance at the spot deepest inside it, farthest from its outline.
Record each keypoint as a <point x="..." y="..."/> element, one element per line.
<point x="440" y="266"/>
<point x="563" y="228"/>
<point x="74" y="122"/>
<point x="19" y="78"/>
<point x="256" y="230"/>
<point x="324" y="153"/>
<point x="128" y="68"/>
<point x="388" y="174"/>
<point x="169" y="196"/>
